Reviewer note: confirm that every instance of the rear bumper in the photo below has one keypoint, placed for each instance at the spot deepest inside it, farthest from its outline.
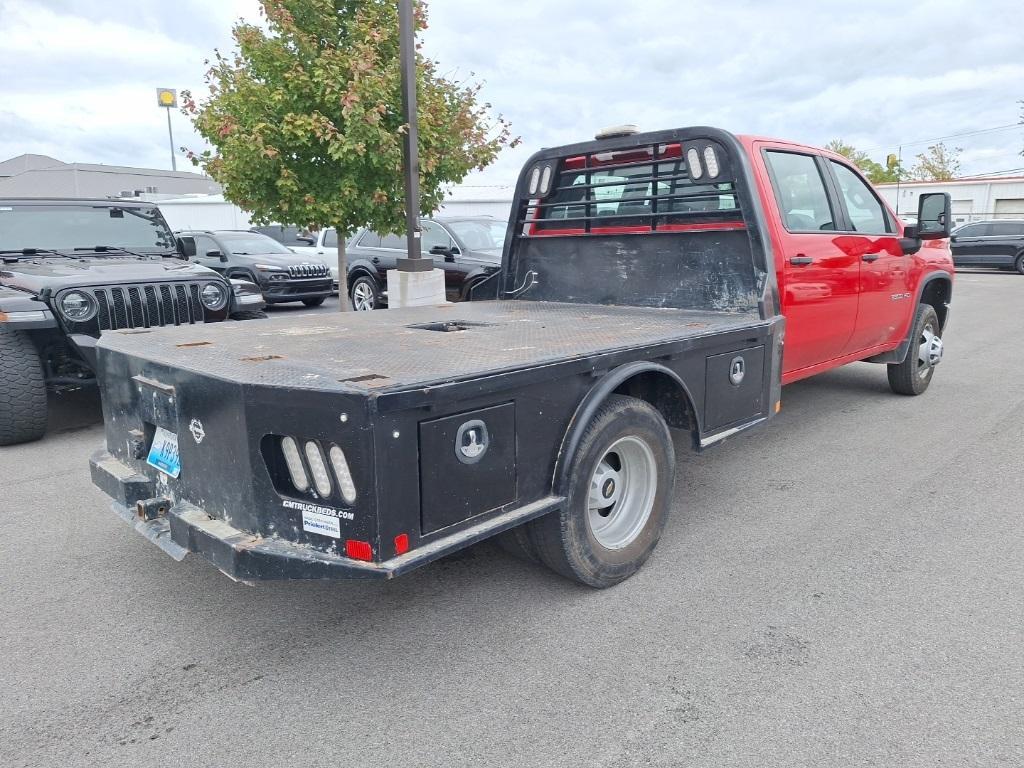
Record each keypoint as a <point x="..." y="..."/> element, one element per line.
<point x="185" y="528"/>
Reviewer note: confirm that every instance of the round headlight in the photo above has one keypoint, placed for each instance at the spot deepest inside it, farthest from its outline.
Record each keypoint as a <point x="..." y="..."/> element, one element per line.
<point x="213" y="296"/>
<point x="77" y="306"/>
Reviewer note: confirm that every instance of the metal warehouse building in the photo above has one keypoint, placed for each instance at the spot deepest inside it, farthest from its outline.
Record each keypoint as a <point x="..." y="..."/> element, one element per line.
<point x="974" y="199"/>
<point x="44" y="176"/>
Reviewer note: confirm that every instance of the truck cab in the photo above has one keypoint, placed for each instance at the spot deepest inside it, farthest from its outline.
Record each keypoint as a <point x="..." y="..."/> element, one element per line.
<point x="850" y="278"/>
<point x="649" y="282"/>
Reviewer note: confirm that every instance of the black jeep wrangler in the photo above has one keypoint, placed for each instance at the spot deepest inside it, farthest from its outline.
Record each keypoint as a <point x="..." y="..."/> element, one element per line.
<point x="70" y="269"/>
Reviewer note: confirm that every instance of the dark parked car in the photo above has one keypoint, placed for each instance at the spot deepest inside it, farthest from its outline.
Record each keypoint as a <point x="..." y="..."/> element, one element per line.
<point x="72" y="269"/>
<point x="996" y="243"/>
<point x="281" y="274"/>
<point x="468" y="249"/>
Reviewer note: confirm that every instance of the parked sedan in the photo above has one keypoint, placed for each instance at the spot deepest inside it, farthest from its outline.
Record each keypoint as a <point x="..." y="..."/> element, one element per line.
<point x="468" y="249"/>
<point x="282" y="275"/>
<point x="996" y="243"/>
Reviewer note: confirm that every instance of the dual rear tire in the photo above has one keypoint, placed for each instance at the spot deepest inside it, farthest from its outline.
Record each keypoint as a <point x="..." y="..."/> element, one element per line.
<point x="619" y="493"/>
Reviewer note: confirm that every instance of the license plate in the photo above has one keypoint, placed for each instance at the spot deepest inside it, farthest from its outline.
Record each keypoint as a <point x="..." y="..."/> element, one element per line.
<point x="163" y="454"/>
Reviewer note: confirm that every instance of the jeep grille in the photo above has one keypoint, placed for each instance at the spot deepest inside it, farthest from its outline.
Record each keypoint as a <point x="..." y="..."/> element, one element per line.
<point x="308" y="270"/>
<point x="146" y="306"/>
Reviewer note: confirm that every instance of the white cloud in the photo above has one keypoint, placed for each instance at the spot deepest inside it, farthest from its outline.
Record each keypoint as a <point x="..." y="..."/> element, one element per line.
<point x="80" y="76"/>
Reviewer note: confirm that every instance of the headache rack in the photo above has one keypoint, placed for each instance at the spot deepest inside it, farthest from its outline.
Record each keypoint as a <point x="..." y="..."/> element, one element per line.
<point x="665" y="219"/>
<point x="658" y="187"/>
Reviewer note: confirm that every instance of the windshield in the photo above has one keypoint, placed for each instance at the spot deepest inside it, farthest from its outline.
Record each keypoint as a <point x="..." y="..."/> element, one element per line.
<point x="64" y="227"/>
<point x="247" y="243"/>
<point x="479" y="234"/>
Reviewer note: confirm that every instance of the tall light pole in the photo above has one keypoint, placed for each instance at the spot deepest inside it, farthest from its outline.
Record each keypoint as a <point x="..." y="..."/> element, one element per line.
<point x="410" y="146"/>
<point x="168" y="99"/>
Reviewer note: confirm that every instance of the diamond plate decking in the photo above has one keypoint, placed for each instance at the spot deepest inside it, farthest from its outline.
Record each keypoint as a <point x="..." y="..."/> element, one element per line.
<point x="383" y="350"/>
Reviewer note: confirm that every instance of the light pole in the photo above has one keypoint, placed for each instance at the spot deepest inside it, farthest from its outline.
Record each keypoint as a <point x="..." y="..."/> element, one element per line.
<point x="410" y="146"/>
<point x="415" y="283"/>
<point x="168" y="99"/>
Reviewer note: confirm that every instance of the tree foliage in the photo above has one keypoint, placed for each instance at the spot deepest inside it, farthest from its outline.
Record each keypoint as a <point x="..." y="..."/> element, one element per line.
<point x="306" y="125"/>
<point x="876" y="172"/>
<point x="937" y="164"/>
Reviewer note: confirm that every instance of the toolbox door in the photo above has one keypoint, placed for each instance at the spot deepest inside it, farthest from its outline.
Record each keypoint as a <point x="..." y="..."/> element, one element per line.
<point x="734" y="387"/>
<point x="467" y="465"/>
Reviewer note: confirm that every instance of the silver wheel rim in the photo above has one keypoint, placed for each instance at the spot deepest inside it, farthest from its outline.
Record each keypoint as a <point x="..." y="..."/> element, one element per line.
<point x="929" y="351"/>
<point x="362" y="297"/>
<point x="622" y="491"/>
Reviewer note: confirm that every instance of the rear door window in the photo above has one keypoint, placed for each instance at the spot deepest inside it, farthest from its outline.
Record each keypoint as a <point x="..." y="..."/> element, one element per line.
<point x="800" y="192"/>
<point x="394" y="242"/>
<point x="972" y="230"/>
<point x="369" y="240"/>
<point x="1006" y="228"/>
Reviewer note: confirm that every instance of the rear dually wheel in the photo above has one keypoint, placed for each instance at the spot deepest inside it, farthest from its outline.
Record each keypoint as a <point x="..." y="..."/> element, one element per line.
<point x="618" y="497"/>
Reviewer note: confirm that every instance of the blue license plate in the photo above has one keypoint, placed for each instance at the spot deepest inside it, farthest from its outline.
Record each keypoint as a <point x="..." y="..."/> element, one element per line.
<point x="163" y="454"/>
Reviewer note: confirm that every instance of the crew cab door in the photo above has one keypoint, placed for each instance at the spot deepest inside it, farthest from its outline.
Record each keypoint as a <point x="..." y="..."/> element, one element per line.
<point x="869" y="235"/>
<point x="818" y="279"/>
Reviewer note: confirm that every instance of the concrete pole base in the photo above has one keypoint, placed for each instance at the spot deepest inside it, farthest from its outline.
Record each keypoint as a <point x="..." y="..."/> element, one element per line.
<point x="415" y="289"/>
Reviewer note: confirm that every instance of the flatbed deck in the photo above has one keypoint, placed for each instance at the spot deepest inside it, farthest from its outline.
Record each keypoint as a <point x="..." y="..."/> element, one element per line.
<point x="395" y="350"/>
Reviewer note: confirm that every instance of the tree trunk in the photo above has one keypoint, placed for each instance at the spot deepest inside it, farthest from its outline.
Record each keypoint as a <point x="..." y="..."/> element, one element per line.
<point x="344" y="304"/>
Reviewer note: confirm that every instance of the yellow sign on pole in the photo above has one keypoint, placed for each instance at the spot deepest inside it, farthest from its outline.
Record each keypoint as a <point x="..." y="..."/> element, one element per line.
<point x="167" y="97"/>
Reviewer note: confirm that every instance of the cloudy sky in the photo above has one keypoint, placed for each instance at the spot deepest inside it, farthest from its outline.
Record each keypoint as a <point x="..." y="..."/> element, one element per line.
<point x="79" y="76"/>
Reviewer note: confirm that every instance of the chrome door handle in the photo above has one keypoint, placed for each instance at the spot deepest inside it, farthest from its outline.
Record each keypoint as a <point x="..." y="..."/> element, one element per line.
<point x="871" y="256"/>
<point x="801" y="261"/>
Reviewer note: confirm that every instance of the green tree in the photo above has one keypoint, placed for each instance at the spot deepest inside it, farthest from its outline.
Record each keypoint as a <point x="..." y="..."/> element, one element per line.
<point x="306" y="125"/>
<point x="876" y="172"/>
<point x="937" y="164"/>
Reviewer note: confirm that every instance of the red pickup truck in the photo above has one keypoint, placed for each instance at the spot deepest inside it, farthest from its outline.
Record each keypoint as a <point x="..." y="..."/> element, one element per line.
<point x="855" y="282"/>
<point x="656" y="281"/>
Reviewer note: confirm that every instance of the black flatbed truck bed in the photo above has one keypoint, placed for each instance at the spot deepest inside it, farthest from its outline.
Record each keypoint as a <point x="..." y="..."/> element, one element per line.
<point x="418" y="350"/>
<point x="457" y="422"/>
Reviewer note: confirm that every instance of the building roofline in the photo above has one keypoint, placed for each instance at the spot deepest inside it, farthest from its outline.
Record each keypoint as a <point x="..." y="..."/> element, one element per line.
<point x="971" y="180"/>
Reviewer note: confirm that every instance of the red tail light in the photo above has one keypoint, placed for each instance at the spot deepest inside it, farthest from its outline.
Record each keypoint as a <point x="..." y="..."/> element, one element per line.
<point x="401" y="543"/>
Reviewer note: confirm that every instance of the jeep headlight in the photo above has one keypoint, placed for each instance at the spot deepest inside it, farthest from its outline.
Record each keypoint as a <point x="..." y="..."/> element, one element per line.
<point x="78" y="306"/>
<point x="213" y="296"/>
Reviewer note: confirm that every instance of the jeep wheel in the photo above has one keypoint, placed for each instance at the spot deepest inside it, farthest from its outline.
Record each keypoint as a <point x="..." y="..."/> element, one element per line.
<point x="618" y="499"/>
<point x="364" y="294"/>
<point x="1019" y="264"/>
<point x="22" y="390"/>
<point x="914" y="374"/>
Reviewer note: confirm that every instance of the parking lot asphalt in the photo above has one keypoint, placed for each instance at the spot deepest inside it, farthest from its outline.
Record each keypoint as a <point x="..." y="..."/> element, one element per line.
<point x="844" y="587"/>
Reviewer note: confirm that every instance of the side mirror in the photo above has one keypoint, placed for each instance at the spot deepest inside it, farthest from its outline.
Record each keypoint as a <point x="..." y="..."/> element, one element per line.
<point x="186" y="247"/>
<point x="215" y="254"/>
<point x="443" y="250"/>
<point x="934" y="216"/>
<point x="306" y="239"/>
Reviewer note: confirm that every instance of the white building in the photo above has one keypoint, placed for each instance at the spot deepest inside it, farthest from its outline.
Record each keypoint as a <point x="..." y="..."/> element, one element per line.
<point x="214" y="212"/>
<point x="44" y="176"/>
<point x="973" y="199"/>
